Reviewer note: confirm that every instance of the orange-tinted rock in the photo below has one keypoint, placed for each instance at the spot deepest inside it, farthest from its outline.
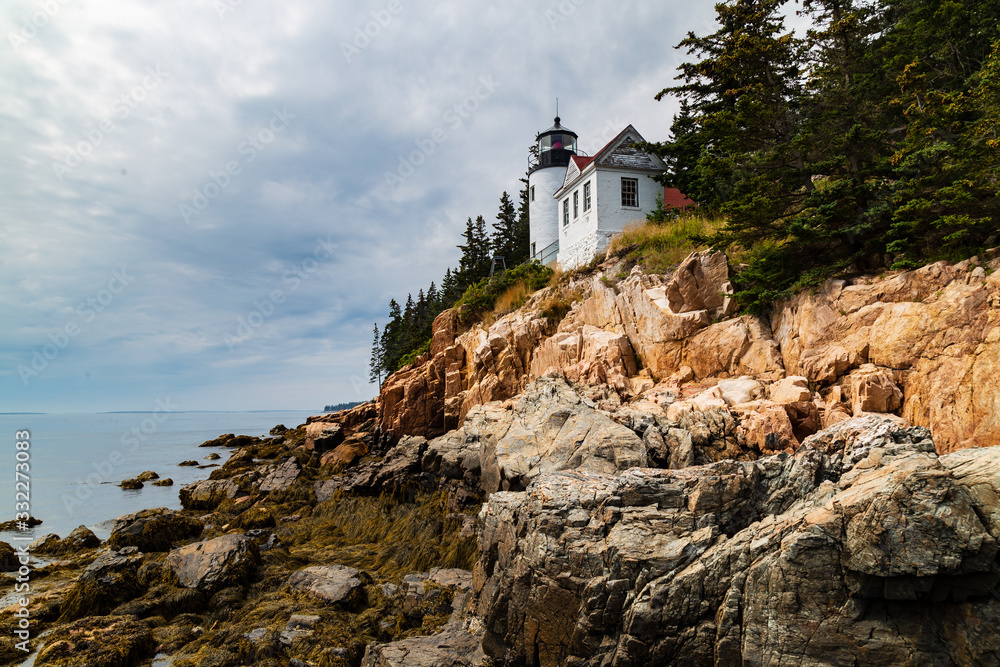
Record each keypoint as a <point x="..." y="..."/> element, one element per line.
<point x="345" y="454"/>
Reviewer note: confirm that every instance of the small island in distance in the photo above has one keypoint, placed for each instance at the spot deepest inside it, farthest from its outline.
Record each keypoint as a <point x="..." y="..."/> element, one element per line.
<point x="341" y="406"/>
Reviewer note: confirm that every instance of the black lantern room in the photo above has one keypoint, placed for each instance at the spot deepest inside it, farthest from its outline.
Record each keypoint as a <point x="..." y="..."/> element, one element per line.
<point x="555" y="146"/>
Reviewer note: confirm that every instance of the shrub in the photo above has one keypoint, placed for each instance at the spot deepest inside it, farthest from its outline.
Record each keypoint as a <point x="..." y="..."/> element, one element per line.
<point x="659" y="246"/>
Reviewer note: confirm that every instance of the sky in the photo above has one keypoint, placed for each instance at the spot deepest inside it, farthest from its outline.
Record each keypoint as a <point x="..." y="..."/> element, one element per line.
<point x="211" y="202"/>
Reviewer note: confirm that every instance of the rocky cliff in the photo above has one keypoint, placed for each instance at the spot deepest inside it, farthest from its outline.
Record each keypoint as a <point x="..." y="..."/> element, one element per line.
<point x="622" y="472"/>
<point x="922" y="344"/>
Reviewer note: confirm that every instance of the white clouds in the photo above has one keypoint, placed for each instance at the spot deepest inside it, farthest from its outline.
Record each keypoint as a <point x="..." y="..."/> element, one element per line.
<point x="224" y="73"/>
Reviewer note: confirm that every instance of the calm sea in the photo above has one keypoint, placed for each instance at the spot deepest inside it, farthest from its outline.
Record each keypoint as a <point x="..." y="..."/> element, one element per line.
<point x="77" y="460"/>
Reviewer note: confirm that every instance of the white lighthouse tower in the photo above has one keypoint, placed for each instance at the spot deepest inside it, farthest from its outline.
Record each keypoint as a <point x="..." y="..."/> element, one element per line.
<point x="556" y="146"/>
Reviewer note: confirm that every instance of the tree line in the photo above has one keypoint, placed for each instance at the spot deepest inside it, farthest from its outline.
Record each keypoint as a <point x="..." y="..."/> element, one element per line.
<point x="407" y="333"/>
<point x="868" y="141"/>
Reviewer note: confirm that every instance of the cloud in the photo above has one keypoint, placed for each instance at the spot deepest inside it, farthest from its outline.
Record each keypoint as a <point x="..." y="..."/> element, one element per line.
<point x="209" y="147"/>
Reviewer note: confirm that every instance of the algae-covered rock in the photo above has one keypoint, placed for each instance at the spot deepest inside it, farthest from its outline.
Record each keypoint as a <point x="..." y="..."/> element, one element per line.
<point x="147" y="476"/>
<point x="80" y="538"/>
<point x="8" y="558"/>
<point x="98" y="641"/>
<point x="329" y="583"/>
<point x="131" y="484"/>
<point x="164" y="482"/>
<point x="207" y="494"/>
<point x="46" y="544"/>
<point x="106" y="583"/>
<point x="214" y="564"/>
<point x="153" y="530"/>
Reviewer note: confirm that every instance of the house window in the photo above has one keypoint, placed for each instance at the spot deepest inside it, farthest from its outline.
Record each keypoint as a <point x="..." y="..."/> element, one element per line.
<point x="586" y="196"/>
<point x="576" y="204"/>
<point x="533" y="250"/>
<point x="532" y="193"/>
<point x="630" y="193"/>
<point x="565" y="211"/>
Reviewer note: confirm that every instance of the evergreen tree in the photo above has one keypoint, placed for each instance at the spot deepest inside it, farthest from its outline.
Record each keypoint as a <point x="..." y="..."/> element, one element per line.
<point x="376" y="365"/>
<point x="475" y="261"/>
<point x="507" y="240"/>
<point x="393" y="347"/>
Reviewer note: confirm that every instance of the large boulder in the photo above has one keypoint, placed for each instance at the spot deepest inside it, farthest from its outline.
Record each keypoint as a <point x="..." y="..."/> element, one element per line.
<point x="207" y="494"/>
<point x="550" y="427"/>
<point x="323" y="436"/>
<point x="333" y="584"/>
<point x="214" y="564"/>
<point x="153" y="530"/>
<point x="701" y="282"/>
<point x="111" y="579"/>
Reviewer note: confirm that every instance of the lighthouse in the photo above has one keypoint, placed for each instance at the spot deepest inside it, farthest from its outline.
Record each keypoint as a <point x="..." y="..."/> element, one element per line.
<point x="556" y="146"/>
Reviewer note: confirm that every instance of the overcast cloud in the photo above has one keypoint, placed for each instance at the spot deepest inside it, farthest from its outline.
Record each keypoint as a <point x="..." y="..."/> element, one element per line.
<point x="213" y="200"/>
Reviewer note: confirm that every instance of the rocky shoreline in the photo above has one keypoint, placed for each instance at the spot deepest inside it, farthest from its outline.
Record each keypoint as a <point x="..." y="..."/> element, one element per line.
<point x="639" y="479"/>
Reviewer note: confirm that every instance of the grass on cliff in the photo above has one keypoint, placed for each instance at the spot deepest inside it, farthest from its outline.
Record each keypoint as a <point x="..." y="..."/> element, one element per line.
<point x="659" y="246"/>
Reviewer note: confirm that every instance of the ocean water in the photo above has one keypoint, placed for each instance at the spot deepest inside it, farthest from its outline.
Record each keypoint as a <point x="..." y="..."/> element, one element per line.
<point x="77" y="460"/>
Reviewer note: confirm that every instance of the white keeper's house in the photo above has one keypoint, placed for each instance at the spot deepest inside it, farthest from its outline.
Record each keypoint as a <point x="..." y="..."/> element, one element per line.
<point x="576" y="203"/>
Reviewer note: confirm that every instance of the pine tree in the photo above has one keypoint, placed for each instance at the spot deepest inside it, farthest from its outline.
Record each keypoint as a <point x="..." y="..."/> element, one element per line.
<point x="475" y="261"/>
<point x="392" y="342"/>
<point x="376" y="365"/>
<point x="506" y="239"/>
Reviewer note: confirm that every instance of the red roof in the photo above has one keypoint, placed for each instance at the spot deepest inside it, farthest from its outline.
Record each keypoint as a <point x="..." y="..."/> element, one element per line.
<point x="582" y="161"/>
<point x="674" y="198"/>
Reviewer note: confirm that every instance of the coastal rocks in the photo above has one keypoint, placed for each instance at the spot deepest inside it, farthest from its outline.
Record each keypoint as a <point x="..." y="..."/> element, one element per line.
<point x="111" y="579"/>
<point x="332" y="584"/>
<point x="79" y="539"/>
<point x="100" y="641"/>
<point x="588" y="356"/>
<point x="281" y="477"/>
<point x="701" y="282"/>
<point x="153" y="530"/>
<point x="934" y="327"/>
<point x="793" y="389"/>
<point x="209" y="566"/>
<point x="8" y="558"/>
<point x="873" y="390"/>
<point x="550" y="427"/>
<point x="456" y="645"/>
<point x="131" y="484"/>
<point x="323" y="436"/>
<point x="207" y="494"/>
<point x="344" y="455"/>
<point x="863" y="546"/>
